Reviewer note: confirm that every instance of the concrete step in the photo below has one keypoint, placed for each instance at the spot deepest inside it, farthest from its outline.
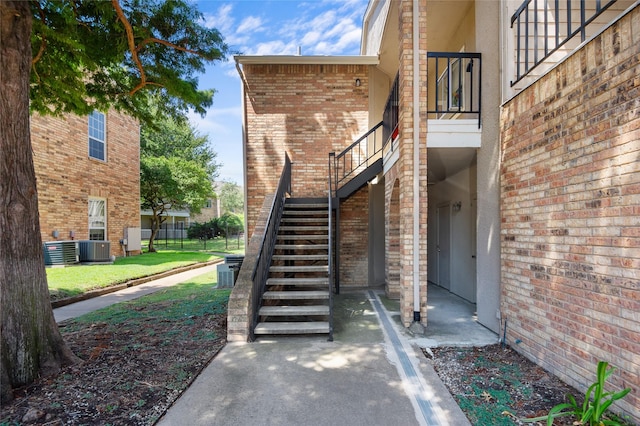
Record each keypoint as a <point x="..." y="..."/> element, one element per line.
<point x="314" y="327"/>
<point x="298" y="213"/>
<point x="308" y="206"/>
<point x="296" y="295"/>
<point x="299" y="282"/>
<point x="303" y="237"/>
<point x="293" y="228"/>
<point x="301" y="246"/>
<point x="285" y="311"/>
<point x="308" y="257"/>
<point x="308" y="268"/>
<point x="301" y="220"/>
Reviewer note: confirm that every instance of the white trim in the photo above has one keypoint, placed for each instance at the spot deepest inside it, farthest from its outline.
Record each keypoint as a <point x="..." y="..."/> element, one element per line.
<point x="306" y="60"/>
<point x="453" y="134"/>
<point x="103" y="140"/>
<point x="89" y="227"/>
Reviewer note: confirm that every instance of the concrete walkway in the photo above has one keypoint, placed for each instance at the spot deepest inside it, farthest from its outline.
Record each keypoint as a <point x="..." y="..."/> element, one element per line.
<point x="371" y="374"/>
<point x="89" y="305"/>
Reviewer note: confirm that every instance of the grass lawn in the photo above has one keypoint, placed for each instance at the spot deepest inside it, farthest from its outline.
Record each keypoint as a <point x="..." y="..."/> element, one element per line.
<point x="197" y="297"/>
<point x="75" y="280"/>
<point x="233" y="245"/>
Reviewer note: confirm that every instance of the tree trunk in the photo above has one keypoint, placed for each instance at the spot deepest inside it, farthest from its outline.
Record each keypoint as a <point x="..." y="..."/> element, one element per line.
<point x="30" y="342"/>
<point x="156" y="223"/>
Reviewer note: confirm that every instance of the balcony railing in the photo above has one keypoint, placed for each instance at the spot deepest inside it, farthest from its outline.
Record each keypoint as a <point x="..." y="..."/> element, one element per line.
<point x="542" y="27"/>
<point x="454" y="90"/>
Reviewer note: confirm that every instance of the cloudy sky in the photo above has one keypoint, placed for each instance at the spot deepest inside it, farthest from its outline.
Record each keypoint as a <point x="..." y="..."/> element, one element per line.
<point x="251" y="27"/>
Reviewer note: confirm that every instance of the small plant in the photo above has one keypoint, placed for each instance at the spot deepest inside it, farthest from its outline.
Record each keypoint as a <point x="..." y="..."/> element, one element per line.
<point x="591" y="412"/>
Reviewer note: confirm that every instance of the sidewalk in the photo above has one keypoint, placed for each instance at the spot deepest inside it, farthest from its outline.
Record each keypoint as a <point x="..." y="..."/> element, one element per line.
<point x="373" y="373"/>
<point x="130" y="293"/>
<point x="369" y="375"/>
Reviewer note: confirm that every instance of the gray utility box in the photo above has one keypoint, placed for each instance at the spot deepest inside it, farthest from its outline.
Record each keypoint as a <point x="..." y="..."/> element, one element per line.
<point x="60" y="252"/>
<point x="228" y="271"/>
<point x="95" y="251"/>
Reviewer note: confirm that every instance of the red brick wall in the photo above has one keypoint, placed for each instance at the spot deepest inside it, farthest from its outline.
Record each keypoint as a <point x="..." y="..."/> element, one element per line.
<point x="392" y="235"/>
<point x="67" y="177"/>
<point x="354" y="239"/>
<point x="306" y="111"/>
<point x="570" y="201"/>
<point x="406" y="166"/>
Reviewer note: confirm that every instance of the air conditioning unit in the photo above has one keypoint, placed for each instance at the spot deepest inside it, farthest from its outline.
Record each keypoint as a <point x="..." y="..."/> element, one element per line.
<point x="60" y="252"/>
<point x="95" y="251"/>
<point x="226" y="275"/>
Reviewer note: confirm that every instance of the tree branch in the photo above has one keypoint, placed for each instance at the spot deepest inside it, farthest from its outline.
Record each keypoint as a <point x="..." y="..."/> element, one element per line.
<point x="132" y="45"/>
<point x="44" y="40"/>
<point x="149" y="40"/>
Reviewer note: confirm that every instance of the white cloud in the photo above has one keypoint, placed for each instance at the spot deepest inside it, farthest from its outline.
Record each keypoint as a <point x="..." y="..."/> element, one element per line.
<point x="250" y="24"/>
<point x="215" y="122"/>
<point x="221" y="20"/>
<point x="310" y="38"/>
<point x="275" y="47"/>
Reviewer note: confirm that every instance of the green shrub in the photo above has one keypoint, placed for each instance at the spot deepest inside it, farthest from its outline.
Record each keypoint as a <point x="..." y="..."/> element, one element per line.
<point x="592" y="412"/>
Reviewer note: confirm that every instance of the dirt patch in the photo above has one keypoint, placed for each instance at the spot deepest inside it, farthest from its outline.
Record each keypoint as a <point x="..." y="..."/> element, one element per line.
<point x="133" y="370"/>
<point x="494" y="385"/>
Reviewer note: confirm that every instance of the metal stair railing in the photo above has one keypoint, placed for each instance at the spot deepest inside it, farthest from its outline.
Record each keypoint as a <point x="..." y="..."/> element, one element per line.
<point x="263" y="261"/>
<point x="357" y="156"/>
<point x="330" y="253"/>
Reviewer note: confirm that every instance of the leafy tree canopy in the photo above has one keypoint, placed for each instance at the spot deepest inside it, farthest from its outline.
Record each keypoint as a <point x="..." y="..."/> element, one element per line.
<point x="231" y="197"/>
<point x="177" y="138"/>
<point x="99" y="54"/>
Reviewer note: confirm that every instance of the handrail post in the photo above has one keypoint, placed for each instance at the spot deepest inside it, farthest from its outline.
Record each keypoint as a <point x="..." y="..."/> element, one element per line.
<point x="332" y="157"/>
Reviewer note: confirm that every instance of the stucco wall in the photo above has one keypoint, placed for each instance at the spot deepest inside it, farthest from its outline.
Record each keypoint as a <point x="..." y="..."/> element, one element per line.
<point x="570" y="201"/>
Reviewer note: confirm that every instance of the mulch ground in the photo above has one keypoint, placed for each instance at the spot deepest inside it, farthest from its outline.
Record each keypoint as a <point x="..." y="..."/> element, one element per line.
<point x="130" y="374"/>
<point x="494" y="385"/>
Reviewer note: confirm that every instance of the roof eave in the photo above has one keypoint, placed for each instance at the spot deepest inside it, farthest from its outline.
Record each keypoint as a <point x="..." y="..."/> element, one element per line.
<point x="306" y="60"/>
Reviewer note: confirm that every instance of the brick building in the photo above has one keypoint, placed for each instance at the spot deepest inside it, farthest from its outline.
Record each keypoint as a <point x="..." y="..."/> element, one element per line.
<point x="88" y="178"/>
<point x="509" y="168"/>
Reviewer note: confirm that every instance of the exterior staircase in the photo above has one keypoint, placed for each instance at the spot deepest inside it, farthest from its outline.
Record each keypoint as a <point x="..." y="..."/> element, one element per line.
<point x="297" y="297"/>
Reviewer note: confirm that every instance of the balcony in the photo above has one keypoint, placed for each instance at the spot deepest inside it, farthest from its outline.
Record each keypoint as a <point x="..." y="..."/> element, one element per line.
<point x="454" y="99"/>
<point x="547" y="31"/>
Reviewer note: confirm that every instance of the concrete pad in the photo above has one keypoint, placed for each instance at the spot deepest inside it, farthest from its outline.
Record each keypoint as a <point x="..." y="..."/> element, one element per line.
<point x="357" y="379"/>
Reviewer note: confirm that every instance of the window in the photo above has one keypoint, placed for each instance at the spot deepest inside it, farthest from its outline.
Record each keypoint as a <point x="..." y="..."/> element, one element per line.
<point x="97" y="136"/>
<point x="97" y="219"/>
<point x="209" y="204"/>
<point x="450" y="87"/>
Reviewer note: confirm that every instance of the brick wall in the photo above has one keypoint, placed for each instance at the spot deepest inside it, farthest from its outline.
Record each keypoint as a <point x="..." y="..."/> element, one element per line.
<point x="410" y="211"/>
<point x="570" y="201"/>
<point x="392" y="234"/>
<point x="306" y="111"/>
<point x="67" y="177"/>
<point x="354" y="239"/>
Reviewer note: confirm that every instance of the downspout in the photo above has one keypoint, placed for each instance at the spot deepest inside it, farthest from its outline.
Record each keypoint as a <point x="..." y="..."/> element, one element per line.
<point x="244" y="89"/>
<point x="416" y="161"/>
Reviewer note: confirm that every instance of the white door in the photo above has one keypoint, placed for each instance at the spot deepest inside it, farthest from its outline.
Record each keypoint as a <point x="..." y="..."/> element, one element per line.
<point x="444" y="246"/>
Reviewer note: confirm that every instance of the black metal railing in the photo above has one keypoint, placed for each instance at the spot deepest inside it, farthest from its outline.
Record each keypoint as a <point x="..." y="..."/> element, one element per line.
<point x="391" y="111"/>
<point x="456" y="86"/>
<point x="544" y="26"/>
<point x="358" y="156"/>
<point x="263" y="259"/>
<point x="330" y="251"/>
